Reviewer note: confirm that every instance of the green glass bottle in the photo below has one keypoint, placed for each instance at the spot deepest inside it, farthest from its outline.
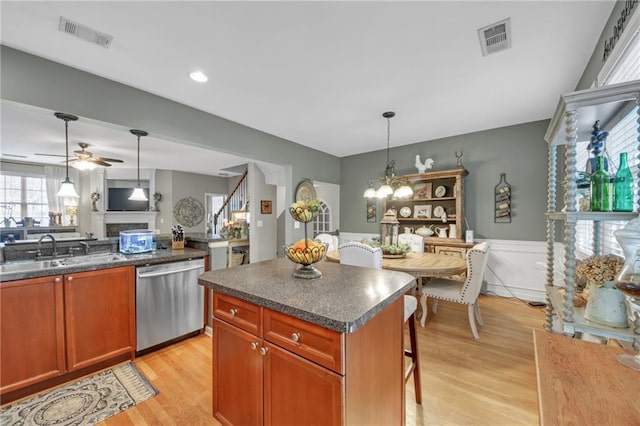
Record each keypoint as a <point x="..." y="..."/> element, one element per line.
<point x="600" y="187"/>
<point x="623" y="187"/>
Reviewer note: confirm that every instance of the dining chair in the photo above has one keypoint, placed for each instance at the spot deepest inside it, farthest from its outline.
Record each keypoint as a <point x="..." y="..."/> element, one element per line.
<point x="414" y="240"/>
<point x="330" y="240"/>
<point x="359" y="254"/>
<point x="464" y="292"/>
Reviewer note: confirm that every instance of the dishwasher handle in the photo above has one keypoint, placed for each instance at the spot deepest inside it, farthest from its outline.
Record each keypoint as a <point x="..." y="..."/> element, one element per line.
<point x="167" y="272"/>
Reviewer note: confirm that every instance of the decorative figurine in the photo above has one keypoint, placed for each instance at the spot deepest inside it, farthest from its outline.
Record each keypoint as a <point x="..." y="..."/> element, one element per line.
<point x="157" y="197"/>
<point x="95" y="197"/>
<point x="596" y="146"/>
<point x="459" y="157"/>
<point x="428" y="164"/>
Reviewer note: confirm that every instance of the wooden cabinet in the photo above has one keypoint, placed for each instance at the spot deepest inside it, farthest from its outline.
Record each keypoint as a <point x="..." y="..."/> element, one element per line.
<point x="54" y="327"/>
<point x="272" y="369"/>
<point x="572" y="122"/>
<point x="100" y="316"/>
<point x="31" y="332"/>
<point x="437" y="202"/>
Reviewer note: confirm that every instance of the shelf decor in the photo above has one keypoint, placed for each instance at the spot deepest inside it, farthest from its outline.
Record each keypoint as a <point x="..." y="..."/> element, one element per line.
<point x="503" y="200"/>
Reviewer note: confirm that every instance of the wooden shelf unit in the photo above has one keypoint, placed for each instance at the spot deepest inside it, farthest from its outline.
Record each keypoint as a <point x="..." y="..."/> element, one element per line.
<point x="424" y="186"/>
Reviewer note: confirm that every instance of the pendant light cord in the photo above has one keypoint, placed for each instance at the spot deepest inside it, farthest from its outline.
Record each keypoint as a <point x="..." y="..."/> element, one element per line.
<point x="66" y="146"/>
<point x="138" y="160"/>
<point x="388" y="136"/>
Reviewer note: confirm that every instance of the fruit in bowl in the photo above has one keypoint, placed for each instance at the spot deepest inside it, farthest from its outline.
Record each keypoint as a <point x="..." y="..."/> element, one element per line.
<point x="303" y="211"/>
<point x="306" y="252"/>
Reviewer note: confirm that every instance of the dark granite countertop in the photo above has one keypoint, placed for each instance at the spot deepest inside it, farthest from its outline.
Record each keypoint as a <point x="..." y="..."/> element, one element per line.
<point x="159" y="256"/>
<point x="343" y="299"/>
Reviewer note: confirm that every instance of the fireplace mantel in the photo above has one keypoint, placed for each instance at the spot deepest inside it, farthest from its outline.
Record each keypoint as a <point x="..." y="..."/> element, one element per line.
<point x="101" y="219"/>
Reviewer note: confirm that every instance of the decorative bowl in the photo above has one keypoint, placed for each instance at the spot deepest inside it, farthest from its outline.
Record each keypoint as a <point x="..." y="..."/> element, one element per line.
<point x="303" y="214"/>
<point x="306" y="256"/>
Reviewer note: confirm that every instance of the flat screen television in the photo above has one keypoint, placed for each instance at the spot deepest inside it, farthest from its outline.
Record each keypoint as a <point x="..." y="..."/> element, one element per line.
<point x="119" y="200"/>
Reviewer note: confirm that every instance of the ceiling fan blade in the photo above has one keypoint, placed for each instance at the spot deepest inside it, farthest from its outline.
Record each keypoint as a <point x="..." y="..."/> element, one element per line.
<point x="98" y="162"/>
<point x="111" y="160"/>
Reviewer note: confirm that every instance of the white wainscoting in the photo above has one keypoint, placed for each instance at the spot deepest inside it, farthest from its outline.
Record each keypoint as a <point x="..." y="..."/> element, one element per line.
<point x="515" y="268"/>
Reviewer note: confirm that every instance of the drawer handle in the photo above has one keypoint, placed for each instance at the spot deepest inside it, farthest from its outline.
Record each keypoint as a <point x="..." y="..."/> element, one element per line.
<point x="69" y="279"/>
<point x="57" y="279"/>
<point x="254" y="345"/>
<point x="233" y="312"/>
<point x="295" y="337"/>
<point x="263" y="351"/>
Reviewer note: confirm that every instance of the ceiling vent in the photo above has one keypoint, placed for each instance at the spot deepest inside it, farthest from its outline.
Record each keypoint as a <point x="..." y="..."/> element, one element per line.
<point x="495" y="37"/>
<point x="85" y="33"/>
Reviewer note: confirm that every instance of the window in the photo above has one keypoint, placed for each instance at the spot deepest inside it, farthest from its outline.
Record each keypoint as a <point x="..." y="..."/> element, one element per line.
<point x="622" y="138"/>
<point x="24" y="196"/>
<point x="322" y="222"/>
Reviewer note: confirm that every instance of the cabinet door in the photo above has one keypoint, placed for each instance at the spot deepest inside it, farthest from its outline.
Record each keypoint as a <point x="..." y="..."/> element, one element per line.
<point x="237" y="376"/>
<point x="31" y="332"/>
<point x="297" y="391"/>
<point x="100" y="315"/>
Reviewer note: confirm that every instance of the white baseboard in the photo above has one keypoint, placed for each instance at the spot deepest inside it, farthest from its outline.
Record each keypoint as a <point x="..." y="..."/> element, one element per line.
<point x="208" y="331"/>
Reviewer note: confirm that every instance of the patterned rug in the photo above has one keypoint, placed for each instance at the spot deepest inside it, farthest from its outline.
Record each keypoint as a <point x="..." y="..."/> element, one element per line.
<point x="82" y="403"/>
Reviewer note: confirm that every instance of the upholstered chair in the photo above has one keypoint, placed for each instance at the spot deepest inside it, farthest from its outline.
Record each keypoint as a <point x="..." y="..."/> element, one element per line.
<point x="414" y="240"/>
<point x="330" y="240"/>
<point x="464" y="292"/>
<point x="359" y="254"/>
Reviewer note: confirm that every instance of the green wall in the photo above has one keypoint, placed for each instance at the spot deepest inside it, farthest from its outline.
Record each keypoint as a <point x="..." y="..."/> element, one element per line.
<point x="519" y="151"/>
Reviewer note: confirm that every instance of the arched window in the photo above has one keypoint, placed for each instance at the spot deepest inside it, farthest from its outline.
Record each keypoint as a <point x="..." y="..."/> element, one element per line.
<point x="322" y="222"/>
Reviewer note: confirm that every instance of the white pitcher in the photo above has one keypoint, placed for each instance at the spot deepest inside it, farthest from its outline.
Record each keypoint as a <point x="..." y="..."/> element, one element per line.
<point x="408" y="230"/>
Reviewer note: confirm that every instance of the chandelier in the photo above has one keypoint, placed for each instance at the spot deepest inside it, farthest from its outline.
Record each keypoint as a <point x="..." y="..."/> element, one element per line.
<point x="386" y="189"/>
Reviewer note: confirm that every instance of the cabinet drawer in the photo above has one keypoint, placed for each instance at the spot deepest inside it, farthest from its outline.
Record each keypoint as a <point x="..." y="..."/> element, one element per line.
<point x="317" y="344"/>
<point x="460" y="252"/>
<point x="244" y="315"/>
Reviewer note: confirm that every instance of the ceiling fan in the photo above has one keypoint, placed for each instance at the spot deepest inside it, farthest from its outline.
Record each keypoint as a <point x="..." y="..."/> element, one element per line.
<point x="85" y="159"/>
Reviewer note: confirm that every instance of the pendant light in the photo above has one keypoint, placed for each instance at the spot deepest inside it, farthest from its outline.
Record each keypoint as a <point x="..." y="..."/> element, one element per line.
<point x="390" y="170"/>
<point x="67" y="189"/>
<point x="138" y="193"/>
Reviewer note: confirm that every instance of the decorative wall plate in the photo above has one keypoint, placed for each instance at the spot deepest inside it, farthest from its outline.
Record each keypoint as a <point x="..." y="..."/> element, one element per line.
<point x="405" y="211"/>
<point x="440" y="191"/>
<point x="305" y="191"/>
<point x="189" y="212"/>
<point x="438" y="211"/>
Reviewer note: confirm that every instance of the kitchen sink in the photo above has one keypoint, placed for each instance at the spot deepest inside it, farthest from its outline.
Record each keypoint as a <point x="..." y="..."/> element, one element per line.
<point x="35" y="265"/>
<point x="93" y="258"/>
<point x="31" y="265"/>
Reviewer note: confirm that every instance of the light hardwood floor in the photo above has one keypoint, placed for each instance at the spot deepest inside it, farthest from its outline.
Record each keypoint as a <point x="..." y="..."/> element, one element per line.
<point x="490" y="381"/>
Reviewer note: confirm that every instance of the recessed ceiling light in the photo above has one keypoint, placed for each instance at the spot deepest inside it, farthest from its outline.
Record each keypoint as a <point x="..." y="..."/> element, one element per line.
<point x="199" y="76"/>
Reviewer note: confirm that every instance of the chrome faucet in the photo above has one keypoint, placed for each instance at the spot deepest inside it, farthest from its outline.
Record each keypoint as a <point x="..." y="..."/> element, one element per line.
<point x="53" y="243"/>
<point x="85" y="247"/>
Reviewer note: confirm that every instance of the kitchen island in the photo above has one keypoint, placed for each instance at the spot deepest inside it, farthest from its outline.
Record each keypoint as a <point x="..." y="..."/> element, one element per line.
<point x="296" y="351"/>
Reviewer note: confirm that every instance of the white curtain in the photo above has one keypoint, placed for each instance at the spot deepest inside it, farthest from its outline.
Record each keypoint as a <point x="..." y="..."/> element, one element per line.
<point x="54" y="177"/>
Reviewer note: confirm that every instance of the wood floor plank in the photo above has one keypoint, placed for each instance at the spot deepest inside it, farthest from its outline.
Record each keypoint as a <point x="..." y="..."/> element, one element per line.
<point x="490" y="381"/>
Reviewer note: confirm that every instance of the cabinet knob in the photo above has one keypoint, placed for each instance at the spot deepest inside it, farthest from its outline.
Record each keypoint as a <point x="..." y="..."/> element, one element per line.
<point x="233" y="312"/>
<point x="69" y="278"/>
<point x="57" y="279"/>
<point x="254" y="345"/>
<point x="263" y="350"/>
<point x="295" y="337"/>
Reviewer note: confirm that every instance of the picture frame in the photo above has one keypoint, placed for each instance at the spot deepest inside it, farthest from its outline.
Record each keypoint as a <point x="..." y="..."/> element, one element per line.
<point x="265" y="206"/>
<point x="371" y="210"/>
<point x="422" y="191"/>
<point x="422" y="211"/>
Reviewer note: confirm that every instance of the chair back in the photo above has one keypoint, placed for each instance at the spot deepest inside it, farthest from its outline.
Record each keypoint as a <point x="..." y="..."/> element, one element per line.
<point x="330" y="240"/>
<point x="414" y="240"/>
<point x="359" y="254"/>
<point x="477" y="258"/>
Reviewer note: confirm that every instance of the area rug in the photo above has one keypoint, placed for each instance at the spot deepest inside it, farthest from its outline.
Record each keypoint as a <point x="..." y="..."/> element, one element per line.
<point x="84" y="402"/>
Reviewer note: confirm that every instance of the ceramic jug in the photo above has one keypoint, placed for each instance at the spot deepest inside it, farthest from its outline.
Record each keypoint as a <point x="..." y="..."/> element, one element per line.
<point x="408" y="230"/>
<point x="442" y="232"/>
<point x="453" y="231"/>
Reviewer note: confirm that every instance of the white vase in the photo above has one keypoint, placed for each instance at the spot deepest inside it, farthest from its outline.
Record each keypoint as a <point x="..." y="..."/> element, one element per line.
<point x="607" y="306"/>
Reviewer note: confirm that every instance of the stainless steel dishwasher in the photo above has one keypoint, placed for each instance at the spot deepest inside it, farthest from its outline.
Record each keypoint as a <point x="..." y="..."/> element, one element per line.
<point x="169" y="302"/>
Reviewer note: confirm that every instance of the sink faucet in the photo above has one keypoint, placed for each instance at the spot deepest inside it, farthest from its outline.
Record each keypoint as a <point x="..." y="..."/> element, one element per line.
<point x="53" y="243"/>
<point x="85" y="247"/>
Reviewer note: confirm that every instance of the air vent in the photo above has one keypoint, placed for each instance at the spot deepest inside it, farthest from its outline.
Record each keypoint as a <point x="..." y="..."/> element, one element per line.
<point x="495" y="37"/>
<point x="85" y="33"/>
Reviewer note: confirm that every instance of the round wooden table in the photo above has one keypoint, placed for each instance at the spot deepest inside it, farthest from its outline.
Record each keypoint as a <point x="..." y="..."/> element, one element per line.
<point x="419" y="264"/>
